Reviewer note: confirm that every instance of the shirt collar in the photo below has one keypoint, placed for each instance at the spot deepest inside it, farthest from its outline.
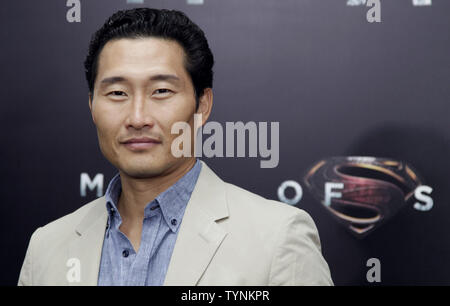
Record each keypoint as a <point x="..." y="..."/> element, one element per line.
<point x="172" y="201"/>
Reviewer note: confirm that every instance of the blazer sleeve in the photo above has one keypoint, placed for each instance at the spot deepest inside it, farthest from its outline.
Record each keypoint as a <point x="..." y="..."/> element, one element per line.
<point x="26" y="273"/>
<point x="298" y="259"/>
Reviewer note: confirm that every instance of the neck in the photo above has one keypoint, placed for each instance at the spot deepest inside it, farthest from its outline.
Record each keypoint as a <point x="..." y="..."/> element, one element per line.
<point x="137" y="193"/>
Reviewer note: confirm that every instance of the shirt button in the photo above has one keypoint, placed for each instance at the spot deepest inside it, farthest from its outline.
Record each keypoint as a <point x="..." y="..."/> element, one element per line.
<point x="125" y="253"/>
<point x="174" y="221"/>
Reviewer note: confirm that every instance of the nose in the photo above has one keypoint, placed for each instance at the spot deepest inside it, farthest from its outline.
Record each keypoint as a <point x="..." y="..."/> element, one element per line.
<point x="139" y="113"/>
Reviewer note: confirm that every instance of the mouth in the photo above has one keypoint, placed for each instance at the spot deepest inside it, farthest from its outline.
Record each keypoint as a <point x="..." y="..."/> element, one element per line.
<point x="142" y="143"/>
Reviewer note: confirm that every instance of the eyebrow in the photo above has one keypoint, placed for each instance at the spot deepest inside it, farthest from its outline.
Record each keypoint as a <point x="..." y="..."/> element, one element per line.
<point x="158" y="77"/>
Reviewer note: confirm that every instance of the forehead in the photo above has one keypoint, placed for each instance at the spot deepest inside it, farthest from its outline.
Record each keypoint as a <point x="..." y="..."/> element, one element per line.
<point x="141" y="56"/>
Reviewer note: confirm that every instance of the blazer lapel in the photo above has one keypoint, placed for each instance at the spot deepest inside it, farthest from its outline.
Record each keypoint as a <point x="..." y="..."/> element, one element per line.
<point x="199" y="235"/>
<point x="88" y="243"/>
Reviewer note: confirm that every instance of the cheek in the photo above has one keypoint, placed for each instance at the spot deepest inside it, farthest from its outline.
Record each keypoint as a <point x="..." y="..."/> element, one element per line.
<point x="184" y="110"/>
<point x="106" y="125"/>
<point x="181" y="108"/>
<point x="178" y="115"/>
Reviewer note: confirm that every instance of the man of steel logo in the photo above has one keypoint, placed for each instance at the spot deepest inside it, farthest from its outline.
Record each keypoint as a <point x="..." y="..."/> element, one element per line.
<point x="362" y="193"/>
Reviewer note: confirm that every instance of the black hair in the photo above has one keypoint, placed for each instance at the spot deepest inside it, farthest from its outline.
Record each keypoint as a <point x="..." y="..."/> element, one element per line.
<point x="160" y="23"/>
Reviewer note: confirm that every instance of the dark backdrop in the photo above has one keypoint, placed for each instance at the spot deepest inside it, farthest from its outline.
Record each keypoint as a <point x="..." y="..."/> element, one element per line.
<point x="337" y="84"/>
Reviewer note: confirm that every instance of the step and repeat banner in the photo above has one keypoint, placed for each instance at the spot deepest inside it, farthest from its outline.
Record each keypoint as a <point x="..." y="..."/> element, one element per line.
<point x="353" y="96"/>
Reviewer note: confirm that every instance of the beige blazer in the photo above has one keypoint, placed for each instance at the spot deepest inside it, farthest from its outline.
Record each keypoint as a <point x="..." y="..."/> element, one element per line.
<point x="228" y="236"/>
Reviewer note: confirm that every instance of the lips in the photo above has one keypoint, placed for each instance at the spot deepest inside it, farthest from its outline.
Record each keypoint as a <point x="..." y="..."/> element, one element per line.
<point x="141" y="143"/>
<point x="141" y="140"/>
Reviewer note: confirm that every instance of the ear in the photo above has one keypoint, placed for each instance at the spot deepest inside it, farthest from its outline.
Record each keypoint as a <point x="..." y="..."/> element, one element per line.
<point x="205" y="104"/>
<point x="90" y="107"/>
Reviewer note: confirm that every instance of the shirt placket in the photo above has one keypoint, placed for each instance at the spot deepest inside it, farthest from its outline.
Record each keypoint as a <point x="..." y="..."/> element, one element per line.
<point x="139" y="269"/>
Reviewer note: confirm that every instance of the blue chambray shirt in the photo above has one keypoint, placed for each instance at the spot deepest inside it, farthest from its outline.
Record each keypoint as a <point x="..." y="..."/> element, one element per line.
<point x="120" y="265"/>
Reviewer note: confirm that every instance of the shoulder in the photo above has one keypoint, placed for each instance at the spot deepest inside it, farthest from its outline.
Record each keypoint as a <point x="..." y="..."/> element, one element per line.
<point x="67" y="224"/>
<point x="48" y="243"/>
<point x="241" y="201"/>
<point x="268" y="221"/>
<point x="287" y="233"/>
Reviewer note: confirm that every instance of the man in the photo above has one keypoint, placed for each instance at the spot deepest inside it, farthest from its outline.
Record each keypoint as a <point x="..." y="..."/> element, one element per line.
<point x="166" y="220"/>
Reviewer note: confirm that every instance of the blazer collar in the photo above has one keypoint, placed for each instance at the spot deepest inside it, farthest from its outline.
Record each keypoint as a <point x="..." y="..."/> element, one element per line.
<point x="198" y="238"/>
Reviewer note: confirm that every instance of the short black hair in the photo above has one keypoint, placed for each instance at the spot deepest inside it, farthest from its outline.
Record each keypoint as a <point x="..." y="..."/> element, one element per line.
<point x="160" y="23"/>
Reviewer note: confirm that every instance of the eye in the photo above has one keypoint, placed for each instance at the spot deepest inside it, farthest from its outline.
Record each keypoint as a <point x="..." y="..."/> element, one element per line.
<point x="163" y="92"/>
<point x="117" y="93"/>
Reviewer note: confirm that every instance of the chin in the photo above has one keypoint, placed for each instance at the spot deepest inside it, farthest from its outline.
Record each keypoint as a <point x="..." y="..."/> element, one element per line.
<point x="141" y="172"/>
<point x="144" y="168"/>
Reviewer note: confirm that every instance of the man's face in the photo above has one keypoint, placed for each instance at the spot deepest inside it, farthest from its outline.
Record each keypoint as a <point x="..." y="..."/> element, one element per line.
<point x="141" y="89"/>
